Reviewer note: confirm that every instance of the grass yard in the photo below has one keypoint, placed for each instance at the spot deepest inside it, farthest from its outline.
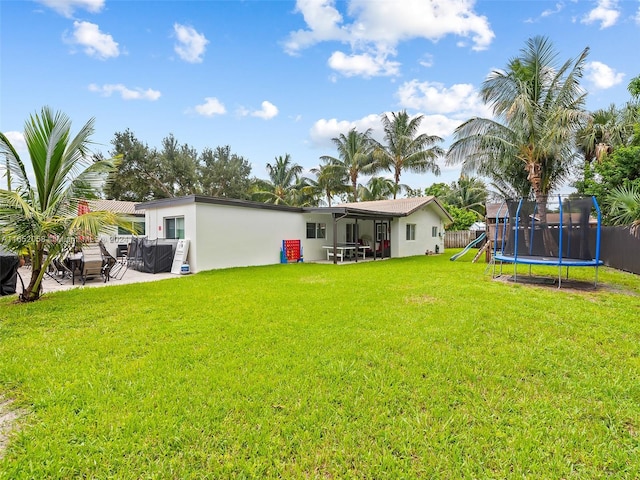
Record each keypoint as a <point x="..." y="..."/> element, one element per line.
<point x="406" y="368"/>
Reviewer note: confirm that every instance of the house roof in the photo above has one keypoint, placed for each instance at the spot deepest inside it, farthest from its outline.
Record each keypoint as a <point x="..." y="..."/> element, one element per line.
<point x="167" y="202"/>
<point x="115" y="206"/>
<point x="376" y="209"/>
<point x="400" y="207"/>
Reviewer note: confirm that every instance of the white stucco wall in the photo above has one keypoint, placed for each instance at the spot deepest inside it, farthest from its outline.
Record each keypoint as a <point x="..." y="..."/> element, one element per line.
<point x="232" y="236"/>
<point x="424" y="219"/>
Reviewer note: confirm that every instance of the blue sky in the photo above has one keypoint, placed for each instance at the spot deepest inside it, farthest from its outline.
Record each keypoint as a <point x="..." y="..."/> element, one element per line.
<point x="275" y="77"/>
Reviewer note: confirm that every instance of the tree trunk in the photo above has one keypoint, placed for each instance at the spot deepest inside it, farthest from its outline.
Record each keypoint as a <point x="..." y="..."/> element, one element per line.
<point x="33" y="290"/>
<point x="534" y="170"/>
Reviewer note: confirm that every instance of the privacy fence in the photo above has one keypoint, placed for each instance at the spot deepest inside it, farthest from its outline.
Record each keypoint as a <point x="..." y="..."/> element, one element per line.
<point x="620" y="249"/>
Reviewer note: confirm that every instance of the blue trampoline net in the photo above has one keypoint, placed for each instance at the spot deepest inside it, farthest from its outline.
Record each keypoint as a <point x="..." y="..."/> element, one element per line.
<point x="553" y="229"/>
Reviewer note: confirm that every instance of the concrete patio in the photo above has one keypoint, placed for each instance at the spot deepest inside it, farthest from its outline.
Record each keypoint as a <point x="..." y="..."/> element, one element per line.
<point x="55" y="284"/>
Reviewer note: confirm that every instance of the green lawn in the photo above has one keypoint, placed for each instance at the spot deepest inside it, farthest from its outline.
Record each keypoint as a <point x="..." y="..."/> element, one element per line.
<point x="406" y="368"/>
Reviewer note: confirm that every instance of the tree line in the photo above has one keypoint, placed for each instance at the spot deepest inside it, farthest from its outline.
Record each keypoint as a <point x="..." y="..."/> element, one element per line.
<point x="145" y="173"/>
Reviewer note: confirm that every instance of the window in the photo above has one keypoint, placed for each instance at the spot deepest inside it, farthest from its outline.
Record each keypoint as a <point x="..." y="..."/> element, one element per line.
<point x="137" y="227"/>
<point x="434" y="231"/>
<point x="352" y="233"/>
<point x="174" y="227"/>
<point x="411" y="231"/>
<point x="316" y="230"/>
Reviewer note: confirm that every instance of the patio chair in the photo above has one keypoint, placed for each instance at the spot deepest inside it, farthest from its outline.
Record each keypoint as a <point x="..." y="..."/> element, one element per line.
<point x="91" y="262"/>
<point x="111" y="266"/>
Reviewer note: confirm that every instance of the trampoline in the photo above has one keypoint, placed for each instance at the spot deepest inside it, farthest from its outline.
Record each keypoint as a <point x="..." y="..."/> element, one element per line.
<point x="560" y="233"/>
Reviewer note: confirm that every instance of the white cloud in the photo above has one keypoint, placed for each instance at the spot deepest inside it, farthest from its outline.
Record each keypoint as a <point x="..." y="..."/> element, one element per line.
<point x="18" y="142"/>
<point x="382" y="23"/>
<point x="323" y="21"/>
<point x="364" y="65"/>
<point x="268" y="111"/>
<point x="602" y="76"/>
<point x="212" y="106"/>
<point x="374" y="29"/>
<point x="191" y="44"/>
<point x="125" y="93"/>
<point x="606" y="13"/>
<point x="324" y="130"/>
<point x="68" y="7"/>
<point x="461" y="99"/>
<point x="95" y="43"/>
<point x="427" y="60"/>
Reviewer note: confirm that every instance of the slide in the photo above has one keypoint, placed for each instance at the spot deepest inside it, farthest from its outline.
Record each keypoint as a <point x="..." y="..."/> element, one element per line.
<point x="468" y="247"/>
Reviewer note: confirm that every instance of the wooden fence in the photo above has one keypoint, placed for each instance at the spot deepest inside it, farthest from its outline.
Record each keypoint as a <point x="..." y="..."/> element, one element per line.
<point x="458" y="238"/>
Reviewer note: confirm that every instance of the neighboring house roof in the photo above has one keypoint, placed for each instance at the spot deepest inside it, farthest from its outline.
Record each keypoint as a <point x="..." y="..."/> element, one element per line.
<point x="115" y="206"/>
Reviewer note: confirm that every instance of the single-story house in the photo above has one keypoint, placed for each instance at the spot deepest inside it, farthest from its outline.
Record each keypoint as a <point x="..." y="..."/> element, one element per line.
<point x="231" y="233"/>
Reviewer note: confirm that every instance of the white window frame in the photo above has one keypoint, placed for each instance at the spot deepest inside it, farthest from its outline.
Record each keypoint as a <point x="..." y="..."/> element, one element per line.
<point x="411" y="232"/>
<point x="176" y="230"/>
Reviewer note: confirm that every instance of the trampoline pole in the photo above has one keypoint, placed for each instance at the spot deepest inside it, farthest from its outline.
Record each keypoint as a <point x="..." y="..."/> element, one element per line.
<point x="559" y="276"/>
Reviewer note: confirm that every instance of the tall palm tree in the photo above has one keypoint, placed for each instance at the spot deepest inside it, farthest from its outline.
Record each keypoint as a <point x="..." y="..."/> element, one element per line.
<point x="330" y="181"/>
<point x="284" y="184"/>
<point x="468" y="193"/>
<point x="377" y="188"/>
<point x="41" y="217"/>
<point x="354" y="156"/>
<point x="405" y="148"/>
<point x="538" y="107"/>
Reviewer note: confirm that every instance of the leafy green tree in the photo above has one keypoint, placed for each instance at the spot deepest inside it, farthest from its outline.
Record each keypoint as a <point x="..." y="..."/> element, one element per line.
<point x="354" y="157"/>
<point x="462" y="219"/>
<point x="439" y="190"/>
<point x="538" y="106"/>
<point x="406" y="149"/>
<point x="179" y="167"/>
<point x="224" y="174"/>
<point x="138" y="175"/>
<point x="285" y="183"/>
<point x="634" y="87"/>
<point x="620" y="169"/>
<point x="41" y="218"/>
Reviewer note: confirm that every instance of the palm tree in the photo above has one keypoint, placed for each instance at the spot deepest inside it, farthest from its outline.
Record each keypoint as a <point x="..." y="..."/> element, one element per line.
<point x="330" y="181"/>
<point x="41" y="218"/>
<point x="284" y="184"/>
<point x="378" y="188"/>
<point x="468" y="193"/>
<point x="405" y="148"/>
<point x="624" y="206"/>
<point x="539" y="108"/>
<point x="354" y="157"/>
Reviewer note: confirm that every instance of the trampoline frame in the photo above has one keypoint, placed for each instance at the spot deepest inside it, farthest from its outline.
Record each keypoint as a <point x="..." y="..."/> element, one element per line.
<point x="559" y="261"/>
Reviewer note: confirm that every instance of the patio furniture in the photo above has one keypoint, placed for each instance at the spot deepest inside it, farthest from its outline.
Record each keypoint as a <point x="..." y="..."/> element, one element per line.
<point x="9" y="263"/>
<point x="108" y="262"/>
<point x="91" y="262"/>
